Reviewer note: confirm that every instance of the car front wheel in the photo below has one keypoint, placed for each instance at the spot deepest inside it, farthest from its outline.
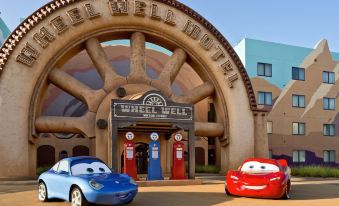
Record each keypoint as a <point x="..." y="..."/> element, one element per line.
<point x="287" y="191"/>
<point x="77" y="198"/>
<point x="227" y="192"/>
<point x="42" y="193"/>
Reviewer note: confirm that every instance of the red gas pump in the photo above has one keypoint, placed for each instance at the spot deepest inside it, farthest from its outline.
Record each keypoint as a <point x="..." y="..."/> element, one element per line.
<point x="178" y="167"/>
<point x="129" y="156"/>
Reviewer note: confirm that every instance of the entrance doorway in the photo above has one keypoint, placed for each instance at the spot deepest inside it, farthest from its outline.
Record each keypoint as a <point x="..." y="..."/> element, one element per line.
<point x="141" y="152"/>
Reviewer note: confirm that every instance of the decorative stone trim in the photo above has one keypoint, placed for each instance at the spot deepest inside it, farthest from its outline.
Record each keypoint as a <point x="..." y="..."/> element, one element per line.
<point x="34" y="19"/>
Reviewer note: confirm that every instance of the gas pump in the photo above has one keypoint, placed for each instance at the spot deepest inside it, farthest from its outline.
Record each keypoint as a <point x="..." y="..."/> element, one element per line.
<point x="154" y="163"/>
<point x="178" y="167"/>
<point x="129" y="156"/>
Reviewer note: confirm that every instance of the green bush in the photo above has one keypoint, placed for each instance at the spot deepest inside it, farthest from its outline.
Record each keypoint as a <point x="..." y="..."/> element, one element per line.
<point x="207" y="169"/>
<point x="315" y="171"/>
<point x="41" y="170"/>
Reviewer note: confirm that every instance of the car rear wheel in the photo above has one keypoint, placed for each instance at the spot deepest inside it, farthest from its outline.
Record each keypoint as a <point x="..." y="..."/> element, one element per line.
<point x="42" y="193"/>
<point x="77" y="198"/>
<point x="287" y="191"/>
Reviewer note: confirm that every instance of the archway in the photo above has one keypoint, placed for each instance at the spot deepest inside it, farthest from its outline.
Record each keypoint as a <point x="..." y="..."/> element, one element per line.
<point x="199" y="156"/>
<point x="32" y="56"/>
<point x="80" y="151"/>
<point x="45" y="156"/>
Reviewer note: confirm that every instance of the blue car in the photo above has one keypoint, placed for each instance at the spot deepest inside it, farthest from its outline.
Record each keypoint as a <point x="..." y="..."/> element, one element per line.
<point x="85" y="180"/>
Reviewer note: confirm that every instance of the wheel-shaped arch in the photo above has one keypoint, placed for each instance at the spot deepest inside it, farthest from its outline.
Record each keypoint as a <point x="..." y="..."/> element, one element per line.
<point x="50" y="37"/>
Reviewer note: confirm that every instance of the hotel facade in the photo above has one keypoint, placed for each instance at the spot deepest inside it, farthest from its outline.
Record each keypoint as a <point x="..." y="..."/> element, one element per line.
<point x="299" y="88"/>
<point x="64" y="72"/>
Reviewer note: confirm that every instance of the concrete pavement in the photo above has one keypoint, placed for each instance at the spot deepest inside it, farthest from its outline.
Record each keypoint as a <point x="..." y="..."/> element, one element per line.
<point x="309" y="191"/>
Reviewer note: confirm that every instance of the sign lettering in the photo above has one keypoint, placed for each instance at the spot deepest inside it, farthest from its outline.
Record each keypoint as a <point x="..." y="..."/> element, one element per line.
<point x="154" y="11"/>
<point x="151" y="106"/>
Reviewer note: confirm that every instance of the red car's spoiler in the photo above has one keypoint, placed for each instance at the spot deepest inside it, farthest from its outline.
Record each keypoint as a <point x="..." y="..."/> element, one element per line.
<point x="283" y="162"/>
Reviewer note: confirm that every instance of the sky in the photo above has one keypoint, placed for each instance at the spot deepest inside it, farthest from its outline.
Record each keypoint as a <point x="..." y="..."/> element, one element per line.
<point x="296" y="22"/>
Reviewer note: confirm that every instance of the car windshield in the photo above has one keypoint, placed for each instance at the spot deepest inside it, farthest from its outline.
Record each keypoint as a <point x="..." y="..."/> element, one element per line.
<point x="259" y="167"/>
<point x="88" y="166"/>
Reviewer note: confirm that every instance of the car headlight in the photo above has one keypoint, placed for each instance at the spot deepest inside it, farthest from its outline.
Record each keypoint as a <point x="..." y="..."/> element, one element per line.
<point x="133" y="182"/>
<point x="275" y="179"/>
<point x="95" y="185"/>
<point x="234" y="177"/>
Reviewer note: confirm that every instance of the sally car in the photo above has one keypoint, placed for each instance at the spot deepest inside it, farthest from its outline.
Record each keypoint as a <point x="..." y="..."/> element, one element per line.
<point x="259" y="177"/>
<point x="83" y="180"/>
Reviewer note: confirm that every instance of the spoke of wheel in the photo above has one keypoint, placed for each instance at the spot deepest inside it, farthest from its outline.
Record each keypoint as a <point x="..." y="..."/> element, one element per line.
<point x="170" y="71"/>
<point x="196" y="95"/>
<point x="77" y="89"/>
<point x="106" y="71"/>
<point x="207" y="129"/>
<point x="81" y="125"/>
<point x="138" y="59"/>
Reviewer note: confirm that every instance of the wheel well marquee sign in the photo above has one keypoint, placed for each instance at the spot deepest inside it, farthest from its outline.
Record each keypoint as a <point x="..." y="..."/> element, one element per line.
<point x="152" y="106"/>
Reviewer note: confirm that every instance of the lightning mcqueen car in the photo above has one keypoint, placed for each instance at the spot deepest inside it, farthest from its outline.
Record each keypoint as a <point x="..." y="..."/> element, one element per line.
<point x="259" y="177"/>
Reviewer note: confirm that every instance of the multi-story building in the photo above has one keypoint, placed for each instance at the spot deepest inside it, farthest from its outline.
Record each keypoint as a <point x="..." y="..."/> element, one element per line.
<point x="4" y="31"/>
<point x="299" y="88"/>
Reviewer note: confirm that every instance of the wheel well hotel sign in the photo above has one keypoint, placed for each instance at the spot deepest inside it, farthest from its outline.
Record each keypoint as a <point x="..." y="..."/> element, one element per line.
<point x="152" y="106"/>
<point x="78" y="15"/>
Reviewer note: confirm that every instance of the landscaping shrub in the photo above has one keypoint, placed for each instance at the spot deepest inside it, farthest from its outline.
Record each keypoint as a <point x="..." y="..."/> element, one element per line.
<point x="41" y="170"/>
<point x="207" y="169"/>
<point x="315" y="171"/>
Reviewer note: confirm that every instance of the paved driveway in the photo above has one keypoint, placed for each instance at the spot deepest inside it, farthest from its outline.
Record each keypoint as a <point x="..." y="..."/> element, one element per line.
<point x="310" y="192"/>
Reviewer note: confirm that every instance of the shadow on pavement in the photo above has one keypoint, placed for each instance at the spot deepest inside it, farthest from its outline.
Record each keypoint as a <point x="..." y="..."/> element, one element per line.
<point x="180" y="199"/>
<point x="314" y="191"/>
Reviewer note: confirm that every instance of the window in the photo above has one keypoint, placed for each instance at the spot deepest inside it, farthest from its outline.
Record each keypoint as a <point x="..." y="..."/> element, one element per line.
<point x="328" y="103"/>
<point x="298" y="128"/>
<point x="329" y="129"/>
<point x="269" y="126"/>
<point x="264" y="69"/>
<point x="265" y="98"/>
<point x="55" y="167"/>
<point x="270" y="154"/>
<point x="298" y="73"/>
<point x="329" y="156"/>
<point x="299" y="156"/>
<point x="328" y="77"/>
<point x="63" y="166"/>
<point x="298" y="101"/>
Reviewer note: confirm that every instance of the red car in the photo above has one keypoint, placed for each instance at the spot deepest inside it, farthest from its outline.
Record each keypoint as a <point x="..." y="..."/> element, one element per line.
<point x="259" y="177"/>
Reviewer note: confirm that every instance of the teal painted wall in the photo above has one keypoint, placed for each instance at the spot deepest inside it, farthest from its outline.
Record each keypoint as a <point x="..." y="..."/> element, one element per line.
<point x="282" y="57"/>
<point x="4" y="31"/>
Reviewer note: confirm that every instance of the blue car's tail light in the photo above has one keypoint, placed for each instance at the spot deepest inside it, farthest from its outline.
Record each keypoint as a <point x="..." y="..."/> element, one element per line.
<point x="95" y="185"/>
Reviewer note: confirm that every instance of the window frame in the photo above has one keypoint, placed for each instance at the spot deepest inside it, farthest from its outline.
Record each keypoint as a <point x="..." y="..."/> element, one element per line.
<point x="328" y="73"/>
<point x="265" y="93"/>
<point x="299" y="123"/>
<point x="271" y="122"/>
<point x="299" y="152"/>
<point x="265" y="67"/>
<point x="298" y="70"/>
<point x="329" y="135"/>
<point x="333" y="152"/>
<point x="328" y="105"/>
<point x="298" y="103"/>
